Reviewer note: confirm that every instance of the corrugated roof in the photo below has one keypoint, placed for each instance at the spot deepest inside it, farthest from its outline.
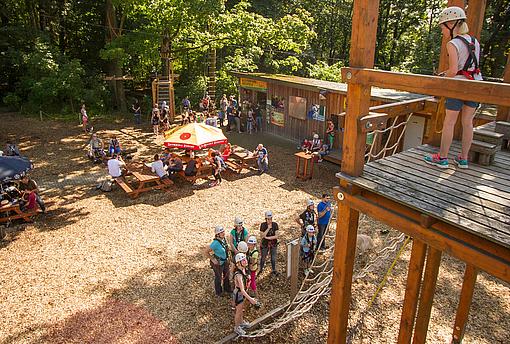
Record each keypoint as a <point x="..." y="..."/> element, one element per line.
<point x="383" y="94"/>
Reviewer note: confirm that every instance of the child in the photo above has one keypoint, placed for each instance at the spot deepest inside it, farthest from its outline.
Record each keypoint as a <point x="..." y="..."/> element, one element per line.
<point x="155" y="119"/>
<point x="253" y="257"/>
<point x="308" y="247"/>
<point x="84" y="118"/>
<point x="241" y="282"/>
<point x="464" y="53"/>
<point x="249" y="121"/>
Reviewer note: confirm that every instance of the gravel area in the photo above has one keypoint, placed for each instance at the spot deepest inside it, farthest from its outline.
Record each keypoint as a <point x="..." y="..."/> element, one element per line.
<point x="102" y="268"/>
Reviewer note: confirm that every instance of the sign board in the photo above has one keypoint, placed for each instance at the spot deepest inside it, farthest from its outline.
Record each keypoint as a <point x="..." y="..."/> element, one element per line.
<point x="278" y="118"/>
<point x="297" y="107"/>
<point x="253" y="84"/>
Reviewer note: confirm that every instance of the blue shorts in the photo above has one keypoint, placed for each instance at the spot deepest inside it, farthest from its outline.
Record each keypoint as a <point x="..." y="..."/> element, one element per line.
<point x="456" y="104"/>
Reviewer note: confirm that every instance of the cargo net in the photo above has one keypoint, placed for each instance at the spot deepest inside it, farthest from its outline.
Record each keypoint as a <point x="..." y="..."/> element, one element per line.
<point x="313" y="288"/>
<point x="391" y="136"/>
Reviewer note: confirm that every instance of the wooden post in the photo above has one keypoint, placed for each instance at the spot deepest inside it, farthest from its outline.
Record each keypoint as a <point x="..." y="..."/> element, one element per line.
<point x="466" y="296"/>
<point x="475" y="14"/>
<point x="364" y="30"/>
<point x="171" y="96"/>
<point x="427" y="295"/>
<point x="416" y="264"/>
<point x="504" y="111"/>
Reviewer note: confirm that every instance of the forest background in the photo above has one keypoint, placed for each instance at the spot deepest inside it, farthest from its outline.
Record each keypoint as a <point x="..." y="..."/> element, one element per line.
<point x="56" y="54"/>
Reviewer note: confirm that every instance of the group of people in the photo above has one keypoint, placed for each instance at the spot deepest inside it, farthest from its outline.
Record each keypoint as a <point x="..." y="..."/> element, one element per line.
<point x="24" y="192"/>
<point x="318" y="147"/>
<point x="97" y="149"/>
<point x="239" y="258"/>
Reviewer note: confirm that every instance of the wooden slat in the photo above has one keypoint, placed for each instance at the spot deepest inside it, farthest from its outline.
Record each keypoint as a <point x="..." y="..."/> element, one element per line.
<point x="430" y="209"/>
<point x="434" y="205"/>
<point x="466" y="297"/>
<point x="443" y="195"/>
<point x="504" y="111"/>
<point x="416" y="264"/>
<point x="427" y="295"/>
<point x="430" y="181"/>
<point x="479" y="91"/>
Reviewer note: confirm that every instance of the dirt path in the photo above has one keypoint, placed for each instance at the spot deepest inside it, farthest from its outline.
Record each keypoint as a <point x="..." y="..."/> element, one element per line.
<point x="101" y="268"/>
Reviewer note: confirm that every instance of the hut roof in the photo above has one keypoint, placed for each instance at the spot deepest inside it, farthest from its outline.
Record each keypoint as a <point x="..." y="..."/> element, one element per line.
<point x="383" y="94"/>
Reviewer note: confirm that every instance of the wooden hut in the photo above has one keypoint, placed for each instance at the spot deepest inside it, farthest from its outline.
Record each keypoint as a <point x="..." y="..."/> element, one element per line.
<point x="296" y="107"/>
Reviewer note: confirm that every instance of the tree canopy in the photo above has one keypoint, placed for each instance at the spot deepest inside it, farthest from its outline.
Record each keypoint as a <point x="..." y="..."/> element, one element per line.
<point x="55" y="54"/>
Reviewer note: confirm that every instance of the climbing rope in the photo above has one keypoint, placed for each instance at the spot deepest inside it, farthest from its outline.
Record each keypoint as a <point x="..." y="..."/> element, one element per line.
<point x="370" y="156"/>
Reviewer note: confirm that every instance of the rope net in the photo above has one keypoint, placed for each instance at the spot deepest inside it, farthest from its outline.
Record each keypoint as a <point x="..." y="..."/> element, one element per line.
<point x="313" y="288"/>
<point x="387" y="151"/>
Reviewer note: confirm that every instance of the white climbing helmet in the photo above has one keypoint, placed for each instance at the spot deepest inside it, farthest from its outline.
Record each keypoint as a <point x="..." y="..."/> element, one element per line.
<point x="242" y="247"/>
<point x="240" y="257"/>
<point x="310" y="228"/>
<point x="238" y="221"/>
<point x="218" y="230"/>
<point x="451" y="13"/>
<point x="269" y="214"/>
<point x="309" y="203"/>
<point x="252" y="239"/>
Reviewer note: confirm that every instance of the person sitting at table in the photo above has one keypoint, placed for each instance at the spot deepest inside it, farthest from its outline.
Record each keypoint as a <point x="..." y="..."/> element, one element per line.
<point x="116" y="166"/>
<point x="30" y="194"/>
<point x="192" y="167"/>
<point x="96" y="151"/>
<point x="158" y="167"/>
<point x="166" y="156"/>
<point x="322" y="152"/>
<point x="114" y="146"/>
<point x="227" y="150"/>
<point x="306" y="145"/>
<point x="316" y="143"/>
<point x="175" y="165"/>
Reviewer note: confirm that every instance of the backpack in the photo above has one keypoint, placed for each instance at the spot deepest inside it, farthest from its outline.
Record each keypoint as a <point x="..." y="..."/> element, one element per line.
<point x="105" y="186"/>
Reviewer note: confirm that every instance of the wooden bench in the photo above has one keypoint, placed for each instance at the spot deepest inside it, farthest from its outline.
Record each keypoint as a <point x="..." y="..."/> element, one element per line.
<point x="233" y="166"/>
<point x="483" y="152"/>
<point x="504" y="128"/>
<point x="202" y="173"/>
<point x="124" y="186"/>
<point x="488" y="136"/>
<point x="13" y="212"/>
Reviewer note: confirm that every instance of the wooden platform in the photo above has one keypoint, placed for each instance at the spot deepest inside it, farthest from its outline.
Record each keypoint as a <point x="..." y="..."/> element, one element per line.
<point x="476" y="200"/>
<point x="334" y="156"/>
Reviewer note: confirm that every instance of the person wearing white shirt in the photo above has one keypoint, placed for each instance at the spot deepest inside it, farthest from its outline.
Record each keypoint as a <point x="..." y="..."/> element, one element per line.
<point x="115" y="166"/>
<point x="158" y="167"/>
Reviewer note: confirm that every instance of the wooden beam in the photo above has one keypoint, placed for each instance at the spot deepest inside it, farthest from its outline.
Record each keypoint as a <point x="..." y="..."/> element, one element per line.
<point x="466" y="297"/>
<point x="469" y="252"/>
<point x="427" y="295"/>
<point x="479" y="91"/>
<point x="416" y="264"/>
<point x="362" y="54"/>
<point x="475" y="15"/>
<point x="504" y="111"/>
<point x="401" y="108"/>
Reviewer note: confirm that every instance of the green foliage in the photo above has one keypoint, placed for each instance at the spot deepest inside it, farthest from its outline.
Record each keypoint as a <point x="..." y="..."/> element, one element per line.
<point x="225" y="84"/>
<point x="321" y="70"/>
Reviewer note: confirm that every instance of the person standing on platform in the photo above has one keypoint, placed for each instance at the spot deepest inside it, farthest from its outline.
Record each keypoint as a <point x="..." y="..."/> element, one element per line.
<point x="324" y="214"/>
<point x="463" y="63"/>
<point x="269" y="242"/>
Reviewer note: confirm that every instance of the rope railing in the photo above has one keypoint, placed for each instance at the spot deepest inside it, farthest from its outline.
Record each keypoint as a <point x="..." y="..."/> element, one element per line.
<point x="313" y="288"/>
<point x="370" y="156"/>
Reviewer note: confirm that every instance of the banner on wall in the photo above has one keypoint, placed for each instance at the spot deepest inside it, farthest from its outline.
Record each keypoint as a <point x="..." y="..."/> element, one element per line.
<point x="278" y="118"/>
<point x="317" y="113"/>
<point x="253" y="84"/>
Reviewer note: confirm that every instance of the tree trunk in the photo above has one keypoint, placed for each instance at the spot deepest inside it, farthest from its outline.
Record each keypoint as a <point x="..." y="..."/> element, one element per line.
<point x="114" y="68"/>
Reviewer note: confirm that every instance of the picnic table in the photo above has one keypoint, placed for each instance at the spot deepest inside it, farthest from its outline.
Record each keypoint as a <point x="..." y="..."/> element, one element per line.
<point x="12" y="211"/>
<point x="242" y="159"/>
<point x="143" y="180"/>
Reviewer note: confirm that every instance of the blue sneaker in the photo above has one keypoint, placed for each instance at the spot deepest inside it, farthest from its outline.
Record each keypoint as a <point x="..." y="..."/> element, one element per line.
<point x="461" y="163"/>
<point x="436" y="160"/>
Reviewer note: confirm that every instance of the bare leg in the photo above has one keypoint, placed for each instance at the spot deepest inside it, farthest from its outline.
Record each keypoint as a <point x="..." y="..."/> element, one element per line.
<point x="238" y="318"/>
<point x="447" y="135"/>
<point x="468" y="114"/>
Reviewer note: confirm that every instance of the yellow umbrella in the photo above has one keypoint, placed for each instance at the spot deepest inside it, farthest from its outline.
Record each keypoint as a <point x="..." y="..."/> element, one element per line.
<point x="194" y="136"/>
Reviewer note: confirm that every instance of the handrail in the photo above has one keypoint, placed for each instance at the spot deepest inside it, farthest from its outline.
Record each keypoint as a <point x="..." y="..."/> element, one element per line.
<point x="479" y="91"/>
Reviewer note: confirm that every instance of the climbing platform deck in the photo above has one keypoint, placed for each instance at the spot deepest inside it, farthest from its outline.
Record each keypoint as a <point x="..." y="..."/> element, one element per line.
<point x="475" y="200"/>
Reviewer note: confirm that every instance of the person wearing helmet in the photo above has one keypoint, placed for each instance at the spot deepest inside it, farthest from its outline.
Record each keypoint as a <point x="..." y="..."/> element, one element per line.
<point x="463" y="63"/>
<point x="241" y="282"/>
<point x="218" y="252"/>
<point x="253" y="262"/>
<point x="269" y="242"/>
<point x="307" y="217"/>
<point x="242" y="247"/>
<point x="237" y="234"/>
<point x="308" y="247"/>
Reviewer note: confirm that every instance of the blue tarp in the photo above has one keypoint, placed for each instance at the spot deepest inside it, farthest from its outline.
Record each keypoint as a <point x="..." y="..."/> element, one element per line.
<point x="13" y="167"/>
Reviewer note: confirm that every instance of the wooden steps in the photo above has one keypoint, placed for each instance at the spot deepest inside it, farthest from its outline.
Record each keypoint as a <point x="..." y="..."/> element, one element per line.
<point x="488" y="136"/>
<point x="504" y="129"/>
<point x="483" y="152"/>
